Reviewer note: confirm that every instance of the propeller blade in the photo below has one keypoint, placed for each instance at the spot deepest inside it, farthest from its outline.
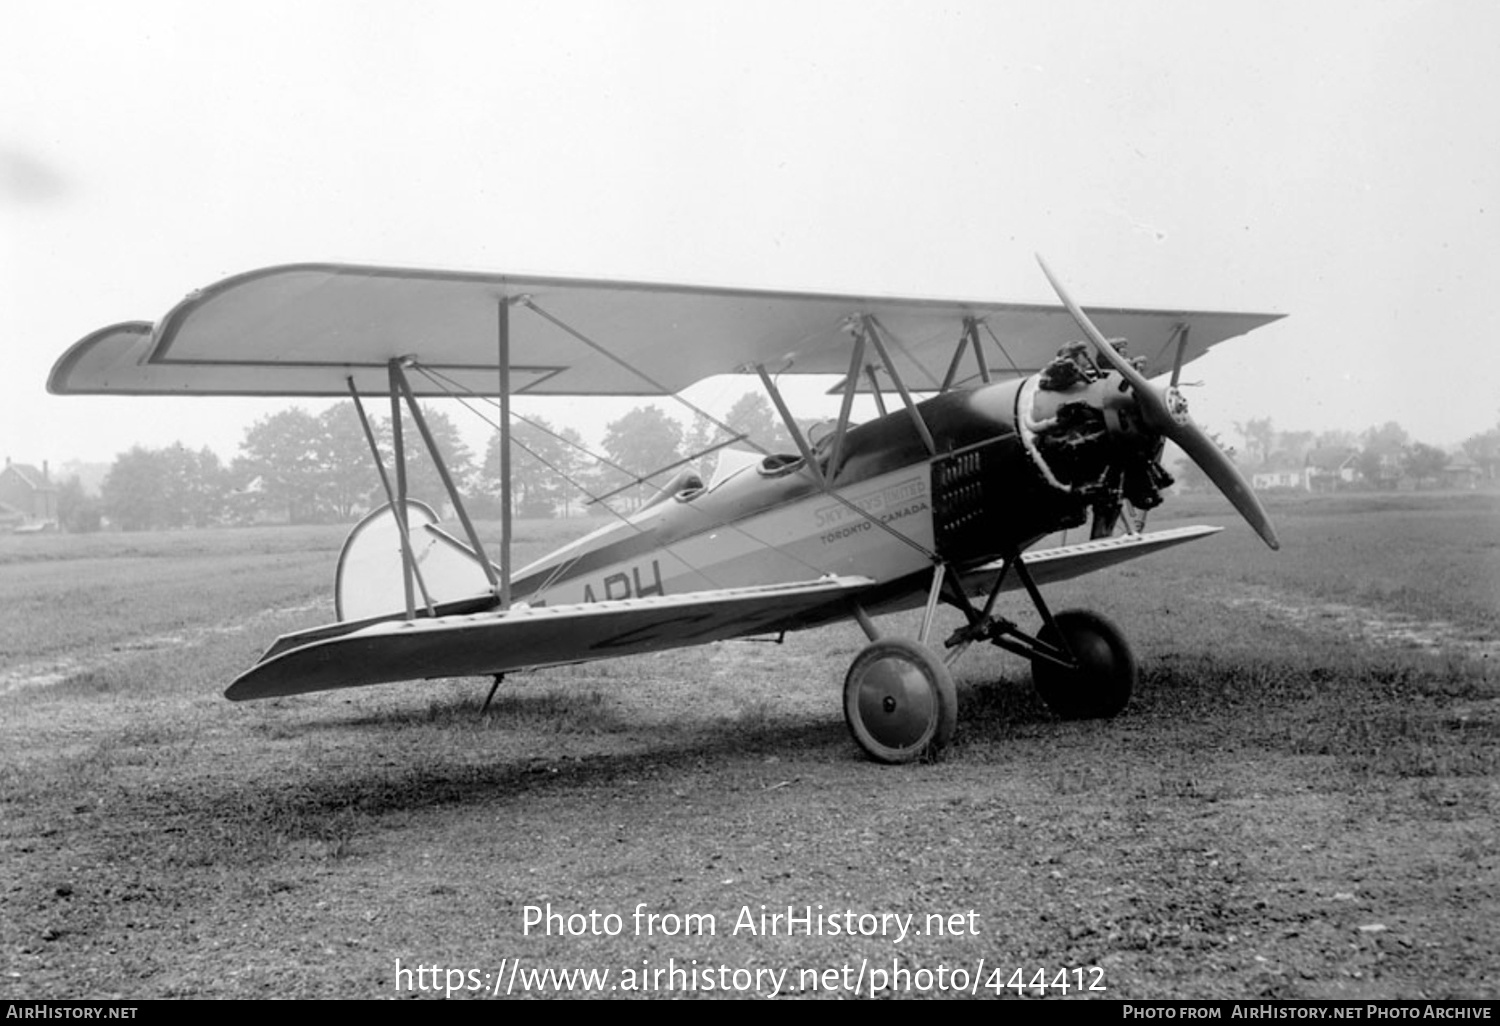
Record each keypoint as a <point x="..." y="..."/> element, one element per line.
<point x="1221" y="470"/>
<point x="1116" y="362"/>
<point x="1167" y="413"/>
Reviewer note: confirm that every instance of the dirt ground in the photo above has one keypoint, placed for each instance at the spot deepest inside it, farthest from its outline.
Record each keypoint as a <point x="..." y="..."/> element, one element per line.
<point x="1291" y="807"/>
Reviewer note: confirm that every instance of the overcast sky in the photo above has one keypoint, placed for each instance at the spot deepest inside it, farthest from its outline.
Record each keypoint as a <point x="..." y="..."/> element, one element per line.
<point x="1333" y="161"/>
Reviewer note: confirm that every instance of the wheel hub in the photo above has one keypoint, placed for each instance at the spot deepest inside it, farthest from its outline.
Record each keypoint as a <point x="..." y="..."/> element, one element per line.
<point x="898" y="700"/>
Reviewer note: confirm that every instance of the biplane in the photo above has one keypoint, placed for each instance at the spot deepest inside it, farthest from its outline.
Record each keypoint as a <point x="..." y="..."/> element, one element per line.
<point x="998" y="427"/>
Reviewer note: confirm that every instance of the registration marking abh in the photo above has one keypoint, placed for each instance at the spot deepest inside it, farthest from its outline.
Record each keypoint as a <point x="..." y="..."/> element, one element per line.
<point x="899" y="500"/>
<point x="624" y="585"/>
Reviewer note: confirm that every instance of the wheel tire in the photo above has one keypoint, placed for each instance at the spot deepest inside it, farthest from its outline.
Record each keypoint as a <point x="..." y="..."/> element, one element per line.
<point x="899" y="701"/>
<point x="1100" y="688"/>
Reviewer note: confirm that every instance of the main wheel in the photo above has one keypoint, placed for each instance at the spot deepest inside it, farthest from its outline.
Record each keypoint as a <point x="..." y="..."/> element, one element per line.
<point x="1101" y="686"/>
<point x="899" y="700"/>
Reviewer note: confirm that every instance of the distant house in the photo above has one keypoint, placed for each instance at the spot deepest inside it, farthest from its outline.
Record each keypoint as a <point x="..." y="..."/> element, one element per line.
<point x="1385" y="471"/>
<point x="28" y="498"/>
<point x="248" y="505"/>
<point x="1278" y="472"/>
<point x="1330" y="468"/>
<point x="1265" y="480"/>
<point x="1460" y="472"/>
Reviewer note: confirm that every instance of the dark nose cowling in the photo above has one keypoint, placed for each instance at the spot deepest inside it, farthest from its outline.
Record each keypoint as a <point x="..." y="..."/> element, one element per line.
<point x="1086" y="432"/>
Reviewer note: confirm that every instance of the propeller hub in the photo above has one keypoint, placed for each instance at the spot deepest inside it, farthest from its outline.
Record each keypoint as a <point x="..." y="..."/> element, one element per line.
<point x="1176" y="404"/>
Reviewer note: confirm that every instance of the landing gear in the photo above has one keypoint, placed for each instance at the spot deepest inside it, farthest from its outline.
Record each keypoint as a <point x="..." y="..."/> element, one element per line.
<point x="1080" y="663"/>
<point x="899" y="701"/>
<point x="1100" y="686"/>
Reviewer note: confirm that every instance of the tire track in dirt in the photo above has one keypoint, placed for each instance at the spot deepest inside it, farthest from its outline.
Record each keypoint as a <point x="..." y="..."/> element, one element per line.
<point x="1374" y="626"/>
<point x="58" y="669"/>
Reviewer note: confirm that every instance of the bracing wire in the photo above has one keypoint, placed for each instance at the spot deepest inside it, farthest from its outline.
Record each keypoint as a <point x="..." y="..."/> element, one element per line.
<point x="453" y="390"/>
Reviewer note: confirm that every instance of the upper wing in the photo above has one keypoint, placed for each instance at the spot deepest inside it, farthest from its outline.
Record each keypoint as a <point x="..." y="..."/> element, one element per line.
<point x="1049" y="566"/>
<point x="497" y="641"/>
<point x="306" y="329"/>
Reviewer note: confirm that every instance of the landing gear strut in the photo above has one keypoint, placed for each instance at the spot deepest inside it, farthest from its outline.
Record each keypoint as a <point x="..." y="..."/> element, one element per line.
<point x="1081" y="665"/>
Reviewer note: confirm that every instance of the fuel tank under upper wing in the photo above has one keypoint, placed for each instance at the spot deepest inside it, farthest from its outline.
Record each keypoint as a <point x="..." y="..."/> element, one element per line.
<point x="496" y="641"/>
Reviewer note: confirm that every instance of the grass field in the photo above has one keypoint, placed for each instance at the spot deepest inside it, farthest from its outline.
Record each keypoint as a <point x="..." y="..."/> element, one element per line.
<point x="1300" y="801"/>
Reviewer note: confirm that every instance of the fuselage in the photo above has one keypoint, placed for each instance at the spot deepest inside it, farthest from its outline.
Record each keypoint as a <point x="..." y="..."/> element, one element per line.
<point x="889" y="510"/>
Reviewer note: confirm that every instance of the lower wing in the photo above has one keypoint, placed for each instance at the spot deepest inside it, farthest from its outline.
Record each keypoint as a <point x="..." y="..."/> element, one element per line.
<point x="1048" y="566"/>
<point x="496" y="641"/>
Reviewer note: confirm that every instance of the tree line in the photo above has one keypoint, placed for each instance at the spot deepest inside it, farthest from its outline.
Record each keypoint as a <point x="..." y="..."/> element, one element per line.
<point x="297" y="467"/>
<point x="1380" y="455"/>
